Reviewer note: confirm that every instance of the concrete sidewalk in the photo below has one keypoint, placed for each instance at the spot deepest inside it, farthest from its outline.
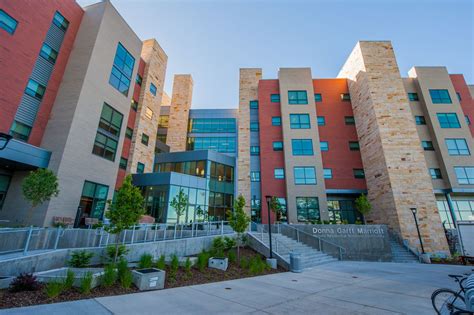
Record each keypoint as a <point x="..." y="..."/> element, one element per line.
<point x="336" y="288"/>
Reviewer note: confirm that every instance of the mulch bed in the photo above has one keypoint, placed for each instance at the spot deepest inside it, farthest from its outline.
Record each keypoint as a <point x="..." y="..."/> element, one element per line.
<point x="28" y="298"/>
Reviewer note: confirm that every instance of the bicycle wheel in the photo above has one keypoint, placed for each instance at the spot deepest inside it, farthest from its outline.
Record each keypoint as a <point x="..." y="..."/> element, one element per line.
<point x="446" y="301"/>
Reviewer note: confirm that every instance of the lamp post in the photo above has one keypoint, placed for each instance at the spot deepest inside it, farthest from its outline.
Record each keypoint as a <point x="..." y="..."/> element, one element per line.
<point x="269" y="199"/>
<point x="414" y="210"/>
<point x="4" y="139"/>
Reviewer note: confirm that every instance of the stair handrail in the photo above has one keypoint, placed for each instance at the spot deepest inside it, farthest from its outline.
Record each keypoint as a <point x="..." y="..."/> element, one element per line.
<point x="341" y="249"/>
<point x="253" y="236"/>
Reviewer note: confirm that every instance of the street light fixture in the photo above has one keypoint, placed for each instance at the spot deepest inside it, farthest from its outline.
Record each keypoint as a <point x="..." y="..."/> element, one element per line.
<point x="4" y="139"/>
<point x="269" y="199"/>
<point x="414" y="210"/>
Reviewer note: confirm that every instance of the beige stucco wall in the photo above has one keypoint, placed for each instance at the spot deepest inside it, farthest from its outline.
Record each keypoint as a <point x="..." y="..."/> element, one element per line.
<point x="300" y="79"/>
<point x="179" y="112"/>
<point x="394" y="163"/>
<point x="155" y="70"/>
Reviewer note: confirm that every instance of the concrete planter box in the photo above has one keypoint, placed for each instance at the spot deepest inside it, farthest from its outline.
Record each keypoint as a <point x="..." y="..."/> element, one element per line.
<point x="272" y="262"/>
<point x="79" y="273"/>
<point x="149" y="279"/>
<point x="5" y="282"/>
<point x="218" y="263"/>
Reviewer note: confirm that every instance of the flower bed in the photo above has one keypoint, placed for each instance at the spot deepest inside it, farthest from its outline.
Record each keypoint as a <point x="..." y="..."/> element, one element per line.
<point x="179" y="277"/>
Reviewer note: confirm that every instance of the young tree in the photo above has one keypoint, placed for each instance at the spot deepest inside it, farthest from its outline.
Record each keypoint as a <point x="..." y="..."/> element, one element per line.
<point x="125" y="211"/>
<point x="39" y="186"/>
<point x="180" y="203"/>
<point x="239" y="221"/>
<point x="276" y="208"/>
<point x="362" y="205"/>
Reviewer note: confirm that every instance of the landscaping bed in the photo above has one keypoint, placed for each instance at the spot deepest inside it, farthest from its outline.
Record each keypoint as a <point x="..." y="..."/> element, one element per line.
<point x="251" y="265"/>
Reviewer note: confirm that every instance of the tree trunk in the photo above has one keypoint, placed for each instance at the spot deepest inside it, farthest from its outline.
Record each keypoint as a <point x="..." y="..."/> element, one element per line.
<point x="117" y="240"/>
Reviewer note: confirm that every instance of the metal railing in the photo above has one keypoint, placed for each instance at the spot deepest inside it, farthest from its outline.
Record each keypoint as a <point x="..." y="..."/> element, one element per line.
<point x="14" y="240"/>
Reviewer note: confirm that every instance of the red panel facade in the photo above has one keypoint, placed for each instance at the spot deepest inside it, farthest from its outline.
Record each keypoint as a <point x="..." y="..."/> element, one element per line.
<point x="18" y="54"/>
<point x="467" y="102"/>
<point x="339" y="158"/>
<point x="269" y="159"/>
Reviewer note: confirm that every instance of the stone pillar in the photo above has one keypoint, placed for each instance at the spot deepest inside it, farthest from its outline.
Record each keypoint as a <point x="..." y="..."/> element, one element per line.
<point x="181" y="99"/>
<point x="148" y="111"/>
<point x="248" y="91"/>
<point x="395" y="167"/>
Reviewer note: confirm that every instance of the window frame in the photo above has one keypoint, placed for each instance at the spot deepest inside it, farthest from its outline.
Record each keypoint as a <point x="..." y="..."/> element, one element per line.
<point x="469" y="180"/>
<point x="254" y="150"/>
<point x="449" y="123"/>
<point x="140" y="168"/>
<point x="254" y="126"/>
<point x="255" y="176"/>
<point x="345" y="97"/>
<point x="324" y="146"/>
<point x="280" y="175"/>
<point x="301" y="97"/>
<point x="276" y="121"/>
<point x="455" y="149"/>
<point x="253" y="104"/>
<point x="145" y="139"/>
<point x="358" y="173"/>
<point x="312" y="179"/>
<point x="299" y="124"/>
<point x="47" y="55"/>
<point x="318" y="97"/>
<point x="427" y="145"/>
<point x="275" y="98"/>
<point x="301" y="152"/>
<point x="277" y="148"/>
<point x="413" y="97"/>
<point x="329" y="171"/>
<point x="354" y="146"/>
<point x="420" y="120"/>
<point x="34" y="92"/>
<point x="121" y="163"/>
<point x="435" y="173"/>
<point x="118" y="72"/>
<point x="9" y="29"/>
<point x="437" y="98"/>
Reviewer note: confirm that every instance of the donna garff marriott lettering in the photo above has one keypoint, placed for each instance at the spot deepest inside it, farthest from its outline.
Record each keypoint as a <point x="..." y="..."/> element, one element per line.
<point x="348" y="231"/>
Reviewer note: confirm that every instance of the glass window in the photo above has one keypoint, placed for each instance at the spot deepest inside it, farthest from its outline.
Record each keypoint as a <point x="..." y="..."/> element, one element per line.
<point x="134" y="105"/>
<point x="324" y="146"/>
<point x="302" y="146"/>
<point x="321" y="120"/>
<point x="106" y="140"/>
<point x="35" y="89"/>
<point x="448" y="120"/>
<point x="468" y="121"/>
<point x="93" y="201"/>
<point x="349" y="120"/>
<point x="420" y="120"/>
<point x="253" y="104"/>
<point x="327" y="173"/>
<point x="123" y="163"/>
<point x="219" y="144"/>
<point x="457" y="147"/>
<point x="440" y="97"/>
<point x="277" y="146"/>
<point x="346" y="97"/>
<point x="413" y="97"/>
<point x="254" y="126"/>
<point x="435" y="173"/>
<point x="358" y="173"/>
<point x="110" y="120"/>
<point x="254" y="176"/>
<point x="8" y="23"/>
<point x="60" y="21"/>
<point x="465" y="175"/>
<point x="4" y="184"/>
<point x="161" y="137"/>
<point x="275" y="98"/>
<point x="304" y="175"/>
<point x="48" y="53"/>
<point x="152" y="89"/>
<point x="307" y="209"/>
<point x="148" y="113"/>
<point x="105" y="146"/>
<point x="427" y="145"/>
<point x="279" y="173"/>
<point x="145" y="139"/>
<point x="139" y="79"/>
<point x="211" y="125"/>
<point x="255" y="150"/>
<point x="297" y="97"/>
<point x="140" y="168"/>
<point x="163" y="122"/>
<point x="354" y="146"/>
<point x="122" y="70"/>
<point x="129" y="133"/>
<point x="20" y="131"/>
<point x="276" y="121"/>
<point x="318" y="97"/>
<point x="459" y="96"/>
<point x="300" y="121"/>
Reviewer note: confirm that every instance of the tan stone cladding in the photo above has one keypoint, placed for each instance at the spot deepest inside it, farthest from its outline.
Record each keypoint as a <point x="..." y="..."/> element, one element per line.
<point x="248" y="91"/>
<point x="181" y="100"/>
<point x="395" y="167"/>
<point x="148" y="111"/>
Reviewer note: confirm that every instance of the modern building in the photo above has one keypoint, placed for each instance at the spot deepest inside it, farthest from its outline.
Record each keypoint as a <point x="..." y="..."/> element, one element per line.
<point x="85" y="99"/>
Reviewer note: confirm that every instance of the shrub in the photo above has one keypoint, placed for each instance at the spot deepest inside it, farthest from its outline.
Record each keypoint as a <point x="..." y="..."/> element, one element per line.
<point x="69" y="281"/>
<point x="161" y="263"/>
<point x="24" y="282"/>
<point x="174" y="265"/>
<point x="244" y="263"/>
<point x="146" y="261"/>
<point x="232" y="256"/>
<point x="54" y="289"/>
<point x="122" y="251"/>
<point x="110" y="276"/>
<point x="86" y="283"/>
<point x="202" y="261"/>
<point x="187" y="267"/>
<point x="229" y="243"/>
<point x="218" y="247"/>
<point x="80" y="259"/>
<point x="122" y="268"/>
<point x="126" y="279"/>
<point x="257" y="265"/>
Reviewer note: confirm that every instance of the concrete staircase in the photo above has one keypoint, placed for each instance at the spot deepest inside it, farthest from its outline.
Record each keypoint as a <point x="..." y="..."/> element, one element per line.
<point x="283" y="245"/>
<point x="400" y="254"/>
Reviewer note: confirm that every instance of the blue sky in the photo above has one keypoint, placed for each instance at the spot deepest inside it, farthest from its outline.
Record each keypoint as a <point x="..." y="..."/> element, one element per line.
<point x="212" y="39"/>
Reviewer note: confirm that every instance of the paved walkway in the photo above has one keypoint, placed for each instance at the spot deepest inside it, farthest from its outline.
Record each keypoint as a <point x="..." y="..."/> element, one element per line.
<point x="335" y="288"/>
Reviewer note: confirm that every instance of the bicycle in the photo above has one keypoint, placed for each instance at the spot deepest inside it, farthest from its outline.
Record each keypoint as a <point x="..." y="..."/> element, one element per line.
<point x="447" y="301"/>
